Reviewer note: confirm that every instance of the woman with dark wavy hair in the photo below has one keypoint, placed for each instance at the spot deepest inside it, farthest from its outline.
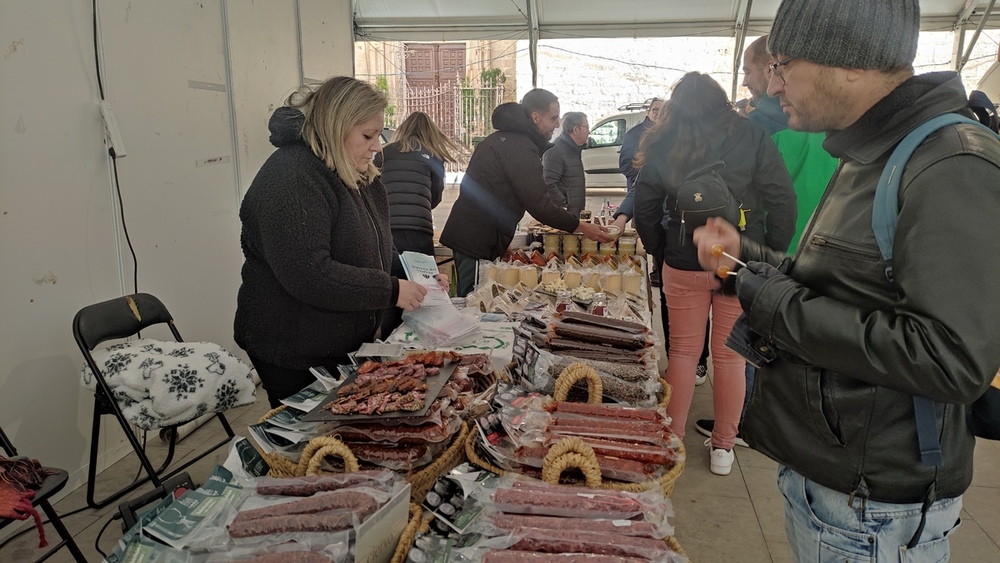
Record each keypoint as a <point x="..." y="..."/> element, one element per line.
<point x="698" y="126"/>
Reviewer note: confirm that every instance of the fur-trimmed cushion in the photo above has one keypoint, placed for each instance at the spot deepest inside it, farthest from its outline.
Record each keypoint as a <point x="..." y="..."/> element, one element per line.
<point x="160" y="383"/>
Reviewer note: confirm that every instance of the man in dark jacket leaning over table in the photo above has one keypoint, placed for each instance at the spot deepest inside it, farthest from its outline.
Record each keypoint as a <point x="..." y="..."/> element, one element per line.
<point x="844" y="347"/>
<point x="503" y="180"/>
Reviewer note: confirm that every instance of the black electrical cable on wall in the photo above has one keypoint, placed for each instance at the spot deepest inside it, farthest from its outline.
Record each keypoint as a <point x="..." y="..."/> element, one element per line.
<point x="114" y="159"/>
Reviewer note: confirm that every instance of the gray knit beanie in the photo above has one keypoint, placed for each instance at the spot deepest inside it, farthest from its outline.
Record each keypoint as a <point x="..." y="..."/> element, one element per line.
<point x="868" y="34"/>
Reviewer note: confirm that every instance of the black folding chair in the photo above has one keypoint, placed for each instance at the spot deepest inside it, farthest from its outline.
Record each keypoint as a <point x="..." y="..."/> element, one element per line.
<point x="52" y="485"/>
<point x="112" y="320"/>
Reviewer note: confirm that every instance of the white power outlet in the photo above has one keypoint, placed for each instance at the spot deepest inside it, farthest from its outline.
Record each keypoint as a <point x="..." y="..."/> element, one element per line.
<point x="111" y="127"/>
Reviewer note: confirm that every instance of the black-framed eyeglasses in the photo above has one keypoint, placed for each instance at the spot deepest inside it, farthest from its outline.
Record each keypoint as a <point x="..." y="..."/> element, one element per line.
<point x="776" y="66"/>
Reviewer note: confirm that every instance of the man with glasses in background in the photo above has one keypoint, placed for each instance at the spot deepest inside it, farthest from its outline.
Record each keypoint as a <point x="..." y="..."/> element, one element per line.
<point x="562" y="166"/>
<point x="844" y="342"/>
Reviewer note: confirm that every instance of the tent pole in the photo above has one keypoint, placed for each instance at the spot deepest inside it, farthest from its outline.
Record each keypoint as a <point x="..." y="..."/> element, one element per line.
<point x="741" y="36"/>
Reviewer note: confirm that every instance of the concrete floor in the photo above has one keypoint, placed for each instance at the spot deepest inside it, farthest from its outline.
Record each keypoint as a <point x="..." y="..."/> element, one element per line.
<point x="737" y="518"/>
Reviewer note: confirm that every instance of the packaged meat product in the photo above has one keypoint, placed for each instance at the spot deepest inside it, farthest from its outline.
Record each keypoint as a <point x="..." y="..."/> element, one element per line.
<point x="399" y="434"/>
<point x="598" y="543"/>
<point x="623" y="527"/>
<point x="627" y="470"/>
<point x="609" y="411"/>
<point x="602" y="335"/>
<point x="398" y="457"/>
<point x="291" y="524"/>
<point x="360" y="503"/>
<point x="638" y="431"/>
<point x="565" y="502"/>
<point x="516" y="556"/>
<point x="308" y="485"/>
<point x="636" y="451"/>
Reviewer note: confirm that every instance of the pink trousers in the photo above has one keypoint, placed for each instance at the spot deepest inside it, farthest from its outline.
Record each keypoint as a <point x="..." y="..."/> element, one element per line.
<point x="691" y="296"/>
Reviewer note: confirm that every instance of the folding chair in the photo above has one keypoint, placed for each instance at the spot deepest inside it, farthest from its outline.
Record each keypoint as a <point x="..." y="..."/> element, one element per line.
<point x="115" y="319"/>
<point x="52" y="485"/>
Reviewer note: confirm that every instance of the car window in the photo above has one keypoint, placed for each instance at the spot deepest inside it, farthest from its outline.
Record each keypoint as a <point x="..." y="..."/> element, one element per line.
<point x="607" y="134"/>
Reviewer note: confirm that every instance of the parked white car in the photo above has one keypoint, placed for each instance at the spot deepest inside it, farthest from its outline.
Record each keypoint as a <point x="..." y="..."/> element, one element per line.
<point x="600" y="157"/>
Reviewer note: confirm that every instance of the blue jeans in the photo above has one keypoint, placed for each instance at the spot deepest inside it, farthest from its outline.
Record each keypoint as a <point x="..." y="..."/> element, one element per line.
<point x="822" y="527"/>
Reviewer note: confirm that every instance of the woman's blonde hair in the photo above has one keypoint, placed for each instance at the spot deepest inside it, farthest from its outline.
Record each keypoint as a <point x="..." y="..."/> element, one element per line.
<point x="331" y="110"/>
<point x="417" y="131"/>
<point x="698" y="106"/>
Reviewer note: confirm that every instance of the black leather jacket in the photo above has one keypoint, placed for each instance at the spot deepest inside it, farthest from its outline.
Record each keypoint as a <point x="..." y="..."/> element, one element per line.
<point x="836" y="406"/>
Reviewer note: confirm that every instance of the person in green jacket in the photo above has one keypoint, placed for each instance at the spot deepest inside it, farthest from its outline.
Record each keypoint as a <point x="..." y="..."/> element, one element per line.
<point x="809" y="165"/>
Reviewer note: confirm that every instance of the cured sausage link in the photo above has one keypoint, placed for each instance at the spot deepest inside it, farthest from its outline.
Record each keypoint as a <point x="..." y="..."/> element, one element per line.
<point x="361" y="504"/>
<point x="292" y="524"/>
<point x="514" y="556"/>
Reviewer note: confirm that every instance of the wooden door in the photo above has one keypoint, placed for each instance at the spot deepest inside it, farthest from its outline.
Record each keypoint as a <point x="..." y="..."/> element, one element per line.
<point x="433" y="74"/>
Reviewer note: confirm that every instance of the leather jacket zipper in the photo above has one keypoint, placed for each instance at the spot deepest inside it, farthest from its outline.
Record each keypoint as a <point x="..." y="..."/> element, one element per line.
<point x="827" y="241"/>
<point x="807" y="232"/>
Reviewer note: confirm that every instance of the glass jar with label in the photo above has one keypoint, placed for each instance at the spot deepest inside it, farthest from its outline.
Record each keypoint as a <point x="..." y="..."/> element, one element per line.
<point x="564" y="301"/>
<point x="626" y="246"/>
<point x="599" y="304"/>
<point x="571" y="244"/>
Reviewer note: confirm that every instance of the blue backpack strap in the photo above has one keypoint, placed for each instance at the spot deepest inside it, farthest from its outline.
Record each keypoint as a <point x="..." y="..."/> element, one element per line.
<point x="885" y="211"/>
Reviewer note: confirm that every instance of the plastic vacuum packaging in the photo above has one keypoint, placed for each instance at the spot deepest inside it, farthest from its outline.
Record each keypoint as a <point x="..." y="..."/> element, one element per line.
<point x="362" y="502"/>
<point x="627" y="470"/>
<point x="290" y="552"/>
<point x="508" y="522"/>
<point x="597" y="543"/>
<point x="308" y="485"/>
<point x="398" y="457"/>
<point x="515" y="556"/>
<point x="399" y="434"/>
<point x="315" y="522"/>
<point x="522" y="496"/>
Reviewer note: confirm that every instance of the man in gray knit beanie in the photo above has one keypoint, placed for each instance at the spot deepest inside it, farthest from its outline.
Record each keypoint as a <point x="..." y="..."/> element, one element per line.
<point x="842" y="341"/>
<point x="872" y="34"/>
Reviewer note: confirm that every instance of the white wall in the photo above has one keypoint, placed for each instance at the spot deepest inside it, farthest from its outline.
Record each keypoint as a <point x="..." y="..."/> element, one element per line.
<point x="192" y="84"/>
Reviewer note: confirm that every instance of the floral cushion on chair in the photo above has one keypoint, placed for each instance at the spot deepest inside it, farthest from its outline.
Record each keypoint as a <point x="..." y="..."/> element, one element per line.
<point x="162" y="383"/>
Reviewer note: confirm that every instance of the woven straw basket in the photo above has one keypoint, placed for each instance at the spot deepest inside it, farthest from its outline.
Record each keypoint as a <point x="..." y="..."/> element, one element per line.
<point x="573" y="452"/>
<point x="311" y="460"/>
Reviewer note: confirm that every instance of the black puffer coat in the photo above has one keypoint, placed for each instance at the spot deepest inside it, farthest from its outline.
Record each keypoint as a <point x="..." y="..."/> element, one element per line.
<point x="414" y="181"/>
<point x="503" y="180"/>
<point x="318" y="256"/>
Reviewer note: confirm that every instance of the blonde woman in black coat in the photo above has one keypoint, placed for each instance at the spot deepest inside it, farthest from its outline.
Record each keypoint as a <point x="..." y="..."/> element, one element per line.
<point x="319" y="256"/>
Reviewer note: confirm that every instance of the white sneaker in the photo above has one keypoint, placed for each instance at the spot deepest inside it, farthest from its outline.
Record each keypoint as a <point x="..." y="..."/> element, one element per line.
<point x="721" y="460"/>
<point x="700" y="375"/>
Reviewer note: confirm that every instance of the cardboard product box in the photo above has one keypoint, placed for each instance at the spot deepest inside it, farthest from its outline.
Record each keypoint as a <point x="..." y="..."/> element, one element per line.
<point x="377" y="537"/>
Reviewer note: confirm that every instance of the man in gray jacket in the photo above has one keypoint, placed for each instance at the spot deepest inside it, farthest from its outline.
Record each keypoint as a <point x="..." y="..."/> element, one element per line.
<point x="844" y="348"/>
<point x="562" y="166"/>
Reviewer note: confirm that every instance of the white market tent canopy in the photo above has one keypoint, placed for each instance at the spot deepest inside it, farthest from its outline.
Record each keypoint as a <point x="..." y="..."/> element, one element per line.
<point x="455" y="20"/>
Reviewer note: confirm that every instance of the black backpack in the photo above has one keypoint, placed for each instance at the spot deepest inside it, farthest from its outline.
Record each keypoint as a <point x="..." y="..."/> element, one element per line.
<point x="703" y="194"/>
